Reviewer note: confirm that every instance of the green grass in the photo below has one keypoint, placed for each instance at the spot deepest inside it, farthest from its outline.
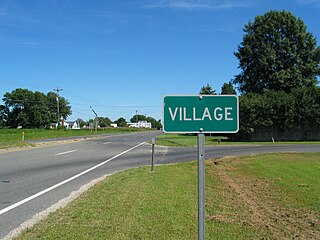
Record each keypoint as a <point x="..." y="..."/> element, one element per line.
<point x="188" y="140"/>
<point x="136" y="204"/>
<point x="139" y="204"/>
<point x="296" y="177"/>
<point x="13" y="137"/>
<point x="185" y="140"/>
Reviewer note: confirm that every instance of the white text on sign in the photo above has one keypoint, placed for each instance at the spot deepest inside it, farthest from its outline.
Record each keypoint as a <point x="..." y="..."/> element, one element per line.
<point x="185" y="114"/>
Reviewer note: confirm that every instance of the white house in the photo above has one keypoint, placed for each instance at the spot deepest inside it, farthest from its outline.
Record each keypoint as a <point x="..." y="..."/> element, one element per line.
<point x="140" y="124"/>
<point x="71" y="125"/>
<point x="66" y="124"/>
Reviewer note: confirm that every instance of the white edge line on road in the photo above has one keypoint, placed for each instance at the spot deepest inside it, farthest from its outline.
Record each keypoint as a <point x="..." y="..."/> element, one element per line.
<point x="65" y="181"/>
<point x="71" y="151"/>
<point x="106" y="142"/>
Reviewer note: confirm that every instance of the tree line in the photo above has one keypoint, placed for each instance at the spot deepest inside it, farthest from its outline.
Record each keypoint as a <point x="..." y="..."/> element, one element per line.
<point x="121" y="122"/>
<point x="29" y="109"/>
<point x="278" y="83"/>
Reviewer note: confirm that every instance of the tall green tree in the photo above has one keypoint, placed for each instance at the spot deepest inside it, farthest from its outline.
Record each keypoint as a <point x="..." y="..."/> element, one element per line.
<point x="279" y="109"/>
<point x="105" y="122"/>
<point x="39" y="115"/>
<point x="81" y="122"/>
<point x="26" y="108"/>
<point x="154" y="123"/>
<point x="277" y="53"/>
<point x="3" y="115"/>
<point x="307" y="106"/>
<point x="138" y="117"/>
<point x="121" y="122"/>
<point x="29" y="109"/>
<point x="265" y="110"/>
<point x="64" y="107"/>
<point x="227" y="89"/>
<point x="207" y="90"/>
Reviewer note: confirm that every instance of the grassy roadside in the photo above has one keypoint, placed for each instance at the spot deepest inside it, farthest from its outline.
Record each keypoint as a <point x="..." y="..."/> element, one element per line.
<point x="185" y="140"/>
<point x="13" y="137"/>
<point x="271" y="196"/>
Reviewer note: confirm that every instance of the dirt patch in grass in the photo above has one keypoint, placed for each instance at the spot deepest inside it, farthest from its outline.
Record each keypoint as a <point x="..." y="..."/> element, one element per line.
<point x="259" y="197"/>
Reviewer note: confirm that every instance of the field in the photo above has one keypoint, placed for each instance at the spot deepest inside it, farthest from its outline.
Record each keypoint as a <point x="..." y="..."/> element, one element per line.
<point x="10" y="138"/>
<point x="269" y="196"/>
<point x="184" y="140"/>
<point x="188" y="140"/>
<point x="13" y="137"/>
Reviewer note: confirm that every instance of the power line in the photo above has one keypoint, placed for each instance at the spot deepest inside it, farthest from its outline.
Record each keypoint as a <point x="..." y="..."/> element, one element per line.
<point x="119" y="106"/>
<point x="76" y="95"/>
<point x="81" y="113"/>
<point x="103" y="105"/>
<point x="82" y="104"/>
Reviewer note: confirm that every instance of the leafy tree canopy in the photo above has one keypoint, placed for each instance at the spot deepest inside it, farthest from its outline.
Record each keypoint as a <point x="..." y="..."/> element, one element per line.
<point x="277" y="53"/>
<point x="81" y="122"/>
<point x="105" y="122"/>
<point x="121" y="122"/>
<point x="207" y="90"/>
<point x="272" y="108"/>
<point x="26" y="108"/>
<point x="227" y="89"/>
<point x="64" y="107"/>
<point x="138" y="117"/>
<point x="154" y="123"/>
<point x="23" y="107"/>
<point x="3" y="115"/>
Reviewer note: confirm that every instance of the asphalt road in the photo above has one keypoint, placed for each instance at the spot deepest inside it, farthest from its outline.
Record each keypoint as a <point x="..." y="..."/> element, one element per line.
<point x="33" y="180"/>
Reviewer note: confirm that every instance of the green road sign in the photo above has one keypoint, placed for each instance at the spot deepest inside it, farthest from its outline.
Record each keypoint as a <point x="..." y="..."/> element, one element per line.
<point x="201" y="114"/>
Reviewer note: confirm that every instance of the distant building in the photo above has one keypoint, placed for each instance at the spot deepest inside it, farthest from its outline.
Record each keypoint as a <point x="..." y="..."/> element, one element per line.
<point x="71" y="125"/>
<point x="140" y="124"/>
<point x="66" y="124"/>
<point x="113" y="125"/>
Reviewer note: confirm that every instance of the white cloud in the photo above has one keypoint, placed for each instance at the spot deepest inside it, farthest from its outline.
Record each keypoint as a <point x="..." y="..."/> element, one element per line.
<point x="196" y="5"/>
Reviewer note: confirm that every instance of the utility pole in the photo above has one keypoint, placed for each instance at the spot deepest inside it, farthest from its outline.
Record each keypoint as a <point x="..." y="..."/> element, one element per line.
<point x="137" y="117"/>
<point x="96" y="119"/>
<point x="58" y="110"/>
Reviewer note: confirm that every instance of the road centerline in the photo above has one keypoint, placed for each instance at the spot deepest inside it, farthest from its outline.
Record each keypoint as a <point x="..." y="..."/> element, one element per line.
<point x="71" y="151"/>
<point x="13" y="206"/>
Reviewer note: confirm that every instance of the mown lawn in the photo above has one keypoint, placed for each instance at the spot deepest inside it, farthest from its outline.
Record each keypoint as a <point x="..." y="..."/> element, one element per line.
<point x="189" y="140"/>
<point x="296" y="176"/>
<point x="270" y="196"/>
<point x="13" y="137"/>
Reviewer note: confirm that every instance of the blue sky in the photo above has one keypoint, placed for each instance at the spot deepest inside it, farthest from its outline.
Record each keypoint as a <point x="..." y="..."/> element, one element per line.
<point x="123" y="56"/>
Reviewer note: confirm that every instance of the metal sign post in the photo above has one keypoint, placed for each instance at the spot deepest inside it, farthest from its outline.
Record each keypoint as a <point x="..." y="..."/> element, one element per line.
<point x="201" y="186"/>
<point x="152" y="158"/>
<point x="201" y="114"/>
